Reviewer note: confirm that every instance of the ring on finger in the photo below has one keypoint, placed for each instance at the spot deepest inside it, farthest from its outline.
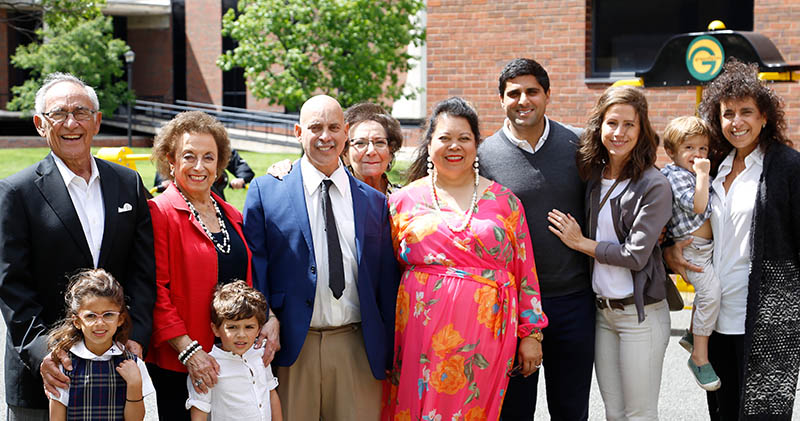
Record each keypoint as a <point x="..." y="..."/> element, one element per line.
<point x="198" y="382"/>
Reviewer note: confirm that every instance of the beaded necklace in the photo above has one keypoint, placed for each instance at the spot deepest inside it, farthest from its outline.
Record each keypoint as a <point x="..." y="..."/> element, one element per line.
<point x="225" y="247"/>
<point x="467" y="216"/>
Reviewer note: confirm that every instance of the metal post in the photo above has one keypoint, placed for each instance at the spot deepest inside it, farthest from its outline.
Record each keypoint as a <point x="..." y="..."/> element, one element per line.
<point x="130" y="56"/>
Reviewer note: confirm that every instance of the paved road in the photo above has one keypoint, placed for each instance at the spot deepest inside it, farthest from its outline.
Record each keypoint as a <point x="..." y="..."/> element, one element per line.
<point x="681" y="398"/>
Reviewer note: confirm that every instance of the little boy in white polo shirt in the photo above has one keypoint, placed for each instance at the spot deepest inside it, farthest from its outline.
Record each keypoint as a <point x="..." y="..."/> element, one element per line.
<point x="245" y="389"/>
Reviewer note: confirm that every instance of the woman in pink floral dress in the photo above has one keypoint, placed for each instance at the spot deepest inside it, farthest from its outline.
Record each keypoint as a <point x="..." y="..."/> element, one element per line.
<point x="469" y="288"/>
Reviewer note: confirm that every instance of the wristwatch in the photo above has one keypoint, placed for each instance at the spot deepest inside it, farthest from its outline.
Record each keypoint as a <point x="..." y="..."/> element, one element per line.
<point x="537" y="334"/>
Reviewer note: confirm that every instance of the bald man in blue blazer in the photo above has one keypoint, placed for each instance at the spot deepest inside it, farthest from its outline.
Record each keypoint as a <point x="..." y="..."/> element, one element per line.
<point x="336" y="343"/>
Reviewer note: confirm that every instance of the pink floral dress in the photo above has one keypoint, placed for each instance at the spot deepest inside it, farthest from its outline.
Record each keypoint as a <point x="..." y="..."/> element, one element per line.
<point x="463" y="300"/>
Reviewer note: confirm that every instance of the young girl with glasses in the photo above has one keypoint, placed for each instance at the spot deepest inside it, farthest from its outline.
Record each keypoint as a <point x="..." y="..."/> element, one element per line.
<point x="106" y="381"/>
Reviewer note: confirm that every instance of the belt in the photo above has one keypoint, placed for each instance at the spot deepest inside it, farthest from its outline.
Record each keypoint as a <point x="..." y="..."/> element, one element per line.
<point x="619" y="304"/>
<point x="351" y="326"/>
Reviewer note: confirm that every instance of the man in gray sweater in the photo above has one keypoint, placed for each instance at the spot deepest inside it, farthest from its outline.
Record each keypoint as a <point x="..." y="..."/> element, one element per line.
<point x="535" y="158"/>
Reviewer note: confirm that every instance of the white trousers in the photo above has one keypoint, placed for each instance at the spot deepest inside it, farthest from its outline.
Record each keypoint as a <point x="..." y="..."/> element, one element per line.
<point x="628" y="359"/>
<point x="707" y="290"/>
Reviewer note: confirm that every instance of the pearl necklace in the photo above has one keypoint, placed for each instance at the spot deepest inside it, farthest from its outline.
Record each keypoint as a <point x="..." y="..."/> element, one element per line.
<point x="225" y="247"/>
<point x="467" y="216"/>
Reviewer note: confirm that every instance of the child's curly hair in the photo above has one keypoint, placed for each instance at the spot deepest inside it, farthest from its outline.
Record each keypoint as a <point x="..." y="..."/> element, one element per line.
<point x="237" y="301"/>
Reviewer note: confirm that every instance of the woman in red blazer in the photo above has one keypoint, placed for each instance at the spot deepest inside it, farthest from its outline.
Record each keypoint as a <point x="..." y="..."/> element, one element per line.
<point x="198" y="245"/>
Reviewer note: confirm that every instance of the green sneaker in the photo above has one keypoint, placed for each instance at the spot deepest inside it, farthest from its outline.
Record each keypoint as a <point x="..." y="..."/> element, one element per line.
<point x="705" y="376"/>
<point x="687" y="341"/>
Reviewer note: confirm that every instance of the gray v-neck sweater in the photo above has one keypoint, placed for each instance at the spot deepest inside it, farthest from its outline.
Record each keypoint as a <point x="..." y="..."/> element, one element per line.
<point x="544" y="180"/>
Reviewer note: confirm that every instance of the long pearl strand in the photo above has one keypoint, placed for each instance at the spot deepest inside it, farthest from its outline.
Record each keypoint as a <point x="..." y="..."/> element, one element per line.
<point x="468" y="216"/>
<point x="225" y="247"/>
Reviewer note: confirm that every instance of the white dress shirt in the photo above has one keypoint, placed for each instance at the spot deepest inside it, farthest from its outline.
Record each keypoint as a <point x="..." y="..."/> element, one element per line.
<point x="328" y="311"/>
<point x="610" y="281"/>
<point x="731" y="219"/>
<point x="87" y="198"/>
<point x="522" y="143"/>
<point x="80" y="350"/>
<point x="242" y="389"/>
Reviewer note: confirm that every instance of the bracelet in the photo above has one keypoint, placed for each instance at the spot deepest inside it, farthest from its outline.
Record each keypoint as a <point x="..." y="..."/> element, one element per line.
<point x="189" y="352"/>
<point x="134" y="400"/>
<point x="186" y="350"/>
<point x="189" y="356"/>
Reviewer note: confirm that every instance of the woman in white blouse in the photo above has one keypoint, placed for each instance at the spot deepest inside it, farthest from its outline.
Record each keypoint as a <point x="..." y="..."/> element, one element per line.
<point x="755" y="346"/>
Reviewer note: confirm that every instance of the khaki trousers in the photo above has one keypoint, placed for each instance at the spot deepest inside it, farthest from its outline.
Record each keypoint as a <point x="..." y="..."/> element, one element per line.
<point x="331" y="379"/>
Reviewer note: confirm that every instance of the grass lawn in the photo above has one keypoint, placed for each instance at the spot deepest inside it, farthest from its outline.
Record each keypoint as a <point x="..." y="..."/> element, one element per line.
<point x="14" y="160"/>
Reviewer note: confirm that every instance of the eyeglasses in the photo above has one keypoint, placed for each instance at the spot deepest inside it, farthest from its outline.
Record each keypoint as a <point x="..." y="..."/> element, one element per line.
<point x="92" y="318"/>
<point x="81" y="114"/>
<point x="362" y="143"/>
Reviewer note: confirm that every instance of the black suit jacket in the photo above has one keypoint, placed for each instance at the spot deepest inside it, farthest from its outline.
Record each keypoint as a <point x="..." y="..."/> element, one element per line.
<point x="42" y="244"/>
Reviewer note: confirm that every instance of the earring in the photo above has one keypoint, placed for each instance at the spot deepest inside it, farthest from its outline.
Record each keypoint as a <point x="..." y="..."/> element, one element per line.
<point x="476" y="167"/>
<point x="430" y="165"/>
<point x="171" y="171"/>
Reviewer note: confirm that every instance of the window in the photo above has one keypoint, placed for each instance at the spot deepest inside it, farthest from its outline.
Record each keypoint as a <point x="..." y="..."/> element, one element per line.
<point x="627" y="35"/>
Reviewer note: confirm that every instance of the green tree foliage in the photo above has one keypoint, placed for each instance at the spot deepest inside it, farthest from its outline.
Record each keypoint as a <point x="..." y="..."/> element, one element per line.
<point x="351" y="49"/>
<point x="78" y="39"/>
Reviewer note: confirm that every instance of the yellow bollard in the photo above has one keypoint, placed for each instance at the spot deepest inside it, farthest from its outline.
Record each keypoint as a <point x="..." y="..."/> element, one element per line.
<point x="122" y="155"/>
<point x="686" y="289"/>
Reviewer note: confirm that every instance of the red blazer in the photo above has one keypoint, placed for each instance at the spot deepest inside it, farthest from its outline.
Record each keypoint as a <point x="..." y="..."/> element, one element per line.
<point x="186" y="275"/>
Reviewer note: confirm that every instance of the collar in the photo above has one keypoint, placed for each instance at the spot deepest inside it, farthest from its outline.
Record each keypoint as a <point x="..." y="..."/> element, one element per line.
<point x="754" y="158"/>
<point x="67" y="175"/>
<point x="520" y="143"/>
<point x="82" y="351"/>
<point x="312" y="177"/>
<point x="222" y="354"/>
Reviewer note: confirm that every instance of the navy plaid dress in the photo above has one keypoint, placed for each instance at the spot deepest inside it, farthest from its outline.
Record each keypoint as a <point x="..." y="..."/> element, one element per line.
<point x="96" y="390"/>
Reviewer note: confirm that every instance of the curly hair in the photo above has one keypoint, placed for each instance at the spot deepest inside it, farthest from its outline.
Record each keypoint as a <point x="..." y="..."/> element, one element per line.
<point x="166" y="142"/>
<point x="367" y="111"/>
<point x="592" y="155"/>
<point x="739" y="81"/>
<point x="82" y="286"/>
<point x="454" y="107"/>
<point x="237" y="301"/>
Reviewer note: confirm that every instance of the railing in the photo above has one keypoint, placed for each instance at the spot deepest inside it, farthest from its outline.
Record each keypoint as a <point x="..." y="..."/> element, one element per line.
<point x="242" y="124"/>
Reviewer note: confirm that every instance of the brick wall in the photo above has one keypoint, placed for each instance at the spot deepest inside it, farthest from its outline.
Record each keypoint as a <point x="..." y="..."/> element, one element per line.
<point x="470" y="41"/>
<point x="153" y="70"/>
<point x="203" y="46"/>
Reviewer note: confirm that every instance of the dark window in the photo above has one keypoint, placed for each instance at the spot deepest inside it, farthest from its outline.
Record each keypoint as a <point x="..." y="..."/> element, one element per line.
<point x="179" y="48"/>
<point x="234" y="90"/>
<point x="627" y="35"/>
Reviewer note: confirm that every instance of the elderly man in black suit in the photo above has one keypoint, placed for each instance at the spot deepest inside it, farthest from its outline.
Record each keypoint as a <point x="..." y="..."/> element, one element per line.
<point x="67" y="212"/>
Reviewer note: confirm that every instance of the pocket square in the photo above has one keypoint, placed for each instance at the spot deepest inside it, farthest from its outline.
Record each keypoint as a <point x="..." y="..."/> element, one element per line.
<point x="125" y="208"/>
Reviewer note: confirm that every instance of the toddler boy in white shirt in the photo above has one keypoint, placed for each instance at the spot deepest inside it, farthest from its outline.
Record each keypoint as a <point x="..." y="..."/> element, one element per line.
<point x="245" y="389"/>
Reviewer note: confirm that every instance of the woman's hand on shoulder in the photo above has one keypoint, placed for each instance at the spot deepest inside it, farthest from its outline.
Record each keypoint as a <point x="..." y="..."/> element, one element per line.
<point x="203" y="370"/>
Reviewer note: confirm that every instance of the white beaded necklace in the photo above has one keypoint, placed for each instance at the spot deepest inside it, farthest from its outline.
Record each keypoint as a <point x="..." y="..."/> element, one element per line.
<point x="225" y="247"/>
<point x="467" y="216"/>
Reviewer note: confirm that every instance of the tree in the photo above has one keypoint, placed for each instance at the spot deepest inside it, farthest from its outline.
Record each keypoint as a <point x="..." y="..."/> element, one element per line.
<point x="354" y="50"/>
<point x="76" y="38"/>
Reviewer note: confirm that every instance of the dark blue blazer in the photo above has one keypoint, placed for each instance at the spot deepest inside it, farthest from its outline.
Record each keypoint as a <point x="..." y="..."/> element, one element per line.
<point x="284" y="267"/>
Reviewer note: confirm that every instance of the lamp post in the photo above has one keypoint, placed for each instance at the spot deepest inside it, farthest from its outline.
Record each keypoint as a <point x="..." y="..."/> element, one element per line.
<point x="130" y="56"/>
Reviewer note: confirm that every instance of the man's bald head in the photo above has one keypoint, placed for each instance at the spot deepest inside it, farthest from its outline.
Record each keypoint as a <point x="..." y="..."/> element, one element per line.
<point x="322" y="132"/>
